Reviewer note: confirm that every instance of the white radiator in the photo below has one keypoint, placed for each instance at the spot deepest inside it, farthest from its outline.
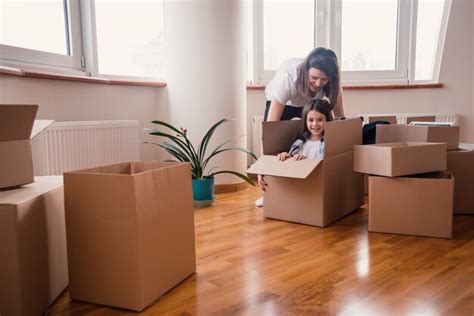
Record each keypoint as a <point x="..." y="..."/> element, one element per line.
<point x="66" y="146"/>
<point x="401" y="119"/>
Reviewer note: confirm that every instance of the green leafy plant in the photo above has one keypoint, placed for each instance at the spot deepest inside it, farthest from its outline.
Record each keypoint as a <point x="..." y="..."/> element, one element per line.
<point x="181" y="148"/>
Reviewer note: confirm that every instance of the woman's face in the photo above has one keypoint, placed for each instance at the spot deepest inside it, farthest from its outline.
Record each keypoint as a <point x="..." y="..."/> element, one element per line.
<point x="315" y="123"/>
<point x="316" y="79"/>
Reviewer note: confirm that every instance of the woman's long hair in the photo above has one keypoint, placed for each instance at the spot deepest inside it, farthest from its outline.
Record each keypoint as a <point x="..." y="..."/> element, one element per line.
<point x="319" y="105"/>
<point x="324" y="60"/>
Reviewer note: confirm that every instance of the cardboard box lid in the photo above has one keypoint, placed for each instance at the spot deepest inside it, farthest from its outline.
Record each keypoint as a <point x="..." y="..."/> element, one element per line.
<point x="39" y="126"/>
<point x="271" y="166"/>
<point x="16" y="121"/>
<point x="429" y="118"/>
<point x="339" y="136"/>
<point x="392" y="119"/>
<point x="26" y="193"/>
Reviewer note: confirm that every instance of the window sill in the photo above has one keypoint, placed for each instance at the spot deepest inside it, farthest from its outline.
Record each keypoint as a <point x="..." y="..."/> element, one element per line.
<point x="8" y="71"/>
<point x="373" y="87"/>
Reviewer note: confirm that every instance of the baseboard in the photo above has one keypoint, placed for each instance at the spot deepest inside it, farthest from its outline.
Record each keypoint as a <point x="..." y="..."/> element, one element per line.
<point x="231" y="187"/>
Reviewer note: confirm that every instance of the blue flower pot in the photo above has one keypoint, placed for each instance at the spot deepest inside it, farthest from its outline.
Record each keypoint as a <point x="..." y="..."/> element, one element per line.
<point x="203" y="190"/>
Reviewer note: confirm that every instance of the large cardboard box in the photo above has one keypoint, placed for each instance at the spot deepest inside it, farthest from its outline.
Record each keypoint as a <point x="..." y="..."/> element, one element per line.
<point x="313" y="192"/>
<point x="432" y="134"/>
<point x="461" y="165"/>
<point x="33" y="264"/>
<point x="399" y="159"/>
<point x="419" y="205"/>
<point x="130" y="232"/>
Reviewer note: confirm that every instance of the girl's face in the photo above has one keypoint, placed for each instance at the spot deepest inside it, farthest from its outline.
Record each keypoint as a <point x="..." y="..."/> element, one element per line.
<point x="315" y="123"/>
<point x="316" y="79"/>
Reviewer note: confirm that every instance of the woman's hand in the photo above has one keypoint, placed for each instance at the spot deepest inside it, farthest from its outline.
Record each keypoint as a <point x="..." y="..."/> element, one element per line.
<point x="299" y="157"/>
<point x="283" y="156"/>
<point x="261" y="182"/>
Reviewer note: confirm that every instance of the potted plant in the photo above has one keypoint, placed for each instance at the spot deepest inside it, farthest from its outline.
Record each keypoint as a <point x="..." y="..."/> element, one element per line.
<point x="181" y="148"/>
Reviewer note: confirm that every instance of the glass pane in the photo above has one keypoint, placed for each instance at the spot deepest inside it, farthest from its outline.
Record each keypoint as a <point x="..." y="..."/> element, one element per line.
<point x="427" y="35"/>
<point x="34" y="24"/>
<point x="369" y="34"/>
<point x="130" y="37"/>
<point x="288" y="30"/>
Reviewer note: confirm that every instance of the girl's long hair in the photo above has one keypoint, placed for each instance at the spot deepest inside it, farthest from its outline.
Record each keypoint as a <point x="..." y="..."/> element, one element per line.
<point x="319" y="105"/>
<point x="324" y="60"/>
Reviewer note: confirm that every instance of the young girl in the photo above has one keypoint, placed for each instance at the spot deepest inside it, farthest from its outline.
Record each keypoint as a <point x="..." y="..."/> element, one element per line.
<point x="310" y="144"/>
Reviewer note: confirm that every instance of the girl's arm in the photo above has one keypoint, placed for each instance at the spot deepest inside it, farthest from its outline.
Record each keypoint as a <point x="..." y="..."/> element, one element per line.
<point x="275" y="111"/>
<point x="338" y="109"/>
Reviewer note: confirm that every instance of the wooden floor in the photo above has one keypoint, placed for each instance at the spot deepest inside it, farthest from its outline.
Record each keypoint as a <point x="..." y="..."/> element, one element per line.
<point x="250" y="265"/>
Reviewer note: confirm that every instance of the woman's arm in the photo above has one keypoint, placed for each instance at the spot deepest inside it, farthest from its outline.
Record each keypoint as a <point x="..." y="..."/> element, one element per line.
<point x="275" y="111"/>
<point x="338" y="109"/>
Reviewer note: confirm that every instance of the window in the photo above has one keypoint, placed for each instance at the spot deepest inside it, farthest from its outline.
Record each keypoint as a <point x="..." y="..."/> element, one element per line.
<point x="25" y="24"/>
<point x="377" y="41"/>
<point x="100" y="38"/>
<point x="133" y="48"/>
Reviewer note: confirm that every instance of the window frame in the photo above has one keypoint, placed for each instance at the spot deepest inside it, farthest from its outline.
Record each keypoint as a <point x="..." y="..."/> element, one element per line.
<point x="327" y="33"/>
<point x="41" y="60"/>
<point x="84" y="59"/>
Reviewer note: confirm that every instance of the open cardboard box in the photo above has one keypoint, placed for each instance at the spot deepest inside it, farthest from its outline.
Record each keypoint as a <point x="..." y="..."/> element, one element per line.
<point x="130" y="232"/>
<point x="399" y="159"/>
<point x="461" y="165"/>
<point x="431" y="134"/>
<point x="420" y="205"/>
<point x="313" y="192"/>
<point x="16" y="130"/>
<point x="33" y="255"/>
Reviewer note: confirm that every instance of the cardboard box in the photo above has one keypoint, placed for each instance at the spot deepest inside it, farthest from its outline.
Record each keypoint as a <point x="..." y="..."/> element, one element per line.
<point x="429" y="118"/>
<point x="431" y="134"/>
<point x="461" y="165"/>
<point x="33" y="268"/>
<point x="399" y="159"/>
<point x="130" y="232"/>
<point x="16" y="130"/>
<point x="419" y="205"/>
<point x="392" y="119"/>
<point x="313" y="192"/>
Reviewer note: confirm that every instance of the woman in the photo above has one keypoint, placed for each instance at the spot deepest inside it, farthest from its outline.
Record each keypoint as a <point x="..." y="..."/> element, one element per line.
<point x="298" y="82"/>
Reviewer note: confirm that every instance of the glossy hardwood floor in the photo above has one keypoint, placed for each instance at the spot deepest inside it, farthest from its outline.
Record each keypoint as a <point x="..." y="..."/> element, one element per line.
<point x="249" y="265"/>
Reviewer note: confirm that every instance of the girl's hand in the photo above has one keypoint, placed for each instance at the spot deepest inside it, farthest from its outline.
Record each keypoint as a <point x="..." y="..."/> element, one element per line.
<point x="299" y="157"/>
<point x="261" y="182"/>
<point x="283" y="156"/>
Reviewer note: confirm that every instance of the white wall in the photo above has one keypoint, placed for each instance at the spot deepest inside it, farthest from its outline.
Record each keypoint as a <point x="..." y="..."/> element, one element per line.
<point x="65" y="101"/>
<point x="456" y="73"/>
<point x="76" y="101"/>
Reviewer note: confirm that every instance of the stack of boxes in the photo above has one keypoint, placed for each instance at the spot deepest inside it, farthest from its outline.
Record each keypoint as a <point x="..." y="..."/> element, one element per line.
<point x="413" y="182"/>
<point x="33" y="268"/>
<point x="119" y="235"/>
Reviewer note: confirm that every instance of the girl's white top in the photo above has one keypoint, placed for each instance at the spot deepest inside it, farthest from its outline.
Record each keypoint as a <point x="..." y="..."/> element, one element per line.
<point x="283" y="86"/>
<point x="313" y="149"/>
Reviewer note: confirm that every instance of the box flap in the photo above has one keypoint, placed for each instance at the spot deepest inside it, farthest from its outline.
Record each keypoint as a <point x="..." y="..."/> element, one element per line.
<point x="392" y="119"/>
<point x="39" y="126"/>
<point x="271" y="166"/>
<point x="429" y="118"/>
<point x="341" y="136"/>
<point x="278" y="136"/>
<point x="16" y="121"/>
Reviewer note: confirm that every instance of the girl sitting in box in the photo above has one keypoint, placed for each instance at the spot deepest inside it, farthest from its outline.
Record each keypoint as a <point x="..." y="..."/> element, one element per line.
<point x="310" y="144"/>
